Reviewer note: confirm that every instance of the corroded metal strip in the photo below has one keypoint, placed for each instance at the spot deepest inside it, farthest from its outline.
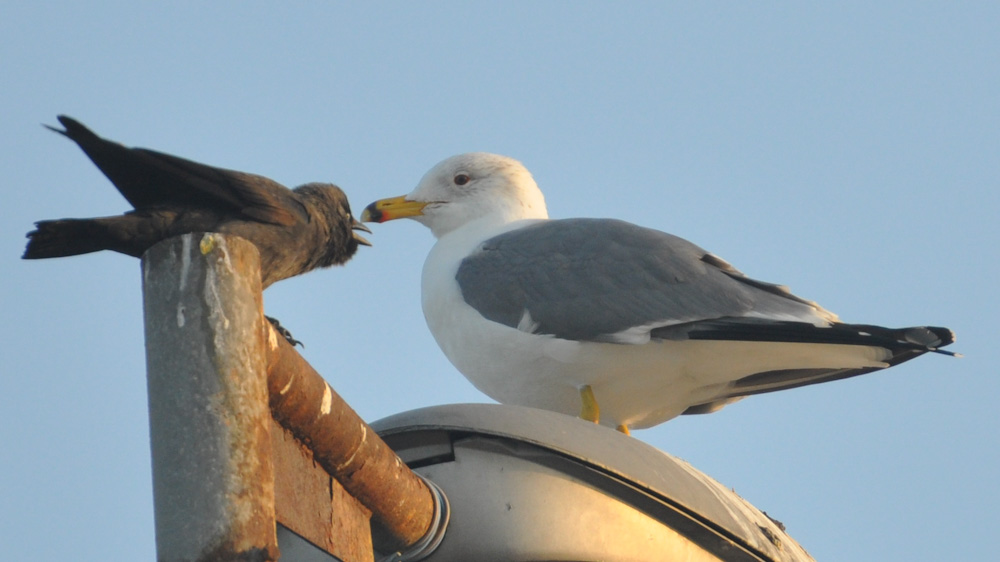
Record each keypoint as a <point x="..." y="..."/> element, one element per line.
<point x="346" y="447"/>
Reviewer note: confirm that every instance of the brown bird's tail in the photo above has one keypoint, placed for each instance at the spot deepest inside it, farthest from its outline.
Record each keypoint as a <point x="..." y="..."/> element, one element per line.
<point x="65" y="237"/>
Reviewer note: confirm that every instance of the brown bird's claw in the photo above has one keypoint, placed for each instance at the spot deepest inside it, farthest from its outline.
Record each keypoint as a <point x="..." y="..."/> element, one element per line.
<point x="283" y="332"/>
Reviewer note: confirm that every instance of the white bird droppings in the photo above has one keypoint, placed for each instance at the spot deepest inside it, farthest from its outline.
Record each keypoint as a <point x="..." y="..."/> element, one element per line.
<point x="185" y="259"/>
<point x="325" y="407"/>
<point x="272" y="337"/>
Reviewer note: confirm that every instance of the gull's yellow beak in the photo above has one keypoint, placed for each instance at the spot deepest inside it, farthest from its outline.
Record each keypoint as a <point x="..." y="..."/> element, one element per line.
<point x="392" y="208"/>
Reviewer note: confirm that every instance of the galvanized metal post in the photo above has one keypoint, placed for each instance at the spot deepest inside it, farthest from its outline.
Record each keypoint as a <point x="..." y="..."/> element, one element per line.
<point x="213" y="478"/>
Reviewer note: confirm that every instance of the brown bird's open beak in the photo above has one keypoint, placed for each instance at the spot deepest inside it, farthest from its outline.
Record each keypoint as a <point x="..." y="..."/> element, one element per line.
<point x="393" y="208"/>
<point x="355" y="225"/>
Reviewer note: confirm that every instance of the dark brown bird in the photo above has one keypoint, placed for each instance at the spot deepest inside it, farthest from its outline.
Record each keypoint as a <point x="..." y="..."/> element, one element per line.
<point x="295" y="230"/>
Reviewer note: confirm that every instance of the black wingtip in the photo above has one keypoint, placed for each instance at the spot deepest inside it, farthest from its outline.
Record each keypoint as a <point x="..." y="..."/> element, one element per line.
<point x="933" y="337"/>
<point x="74" y="129"/>
<point x="68" y="124"/>
<point x="55" y="130"/>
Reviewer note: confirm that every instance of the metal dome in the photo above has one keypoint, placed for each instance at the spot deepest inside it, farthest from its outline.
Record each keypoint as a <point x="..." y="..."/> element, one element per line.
<point x="526" y="484"/>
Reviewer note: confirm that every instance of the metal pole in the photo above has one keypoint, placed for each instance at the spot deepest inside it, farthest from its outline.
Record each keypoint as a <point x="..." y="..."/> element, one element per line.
<point x="213" y="478"/>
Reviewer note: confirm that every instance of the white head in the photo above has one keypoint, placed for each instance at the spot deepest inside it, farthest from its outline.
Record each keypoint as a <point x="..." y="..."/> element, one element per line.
<point x="466" y="188"/>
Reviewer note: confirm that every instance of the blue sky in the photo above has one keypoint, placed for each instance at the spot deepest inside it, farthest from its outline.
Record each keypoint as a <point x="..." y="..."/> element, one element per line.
<point x="849" y="151"/>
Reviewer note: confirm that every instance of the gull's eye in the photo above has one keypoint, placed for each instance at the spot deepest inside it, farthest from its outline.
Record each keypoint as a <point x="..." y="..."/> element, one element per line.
<point x="462" y="179"/>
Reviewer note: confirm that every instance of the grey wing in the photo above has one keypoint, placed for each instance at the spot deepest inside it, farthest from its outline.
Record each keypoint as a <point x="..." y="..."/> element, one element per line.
<point x="609" y="280"/>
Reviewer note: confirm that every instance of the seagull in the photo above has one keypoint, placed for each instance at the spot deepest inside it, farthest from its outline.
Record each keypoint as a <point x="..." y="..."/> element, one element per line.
<point x="295" y="231"/>
<point x="622" y="325"/>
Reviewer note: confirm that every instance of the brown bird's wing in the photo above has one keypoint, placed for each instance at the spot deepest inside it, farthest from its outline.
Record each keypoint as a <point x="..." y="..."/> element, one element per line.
<point x="153" y="180"/>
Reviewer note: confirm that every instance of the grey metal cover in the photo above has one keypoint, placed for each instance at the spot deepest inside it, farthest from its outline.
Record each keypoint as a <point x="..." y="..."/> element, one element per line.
<point x="527" y="484"/>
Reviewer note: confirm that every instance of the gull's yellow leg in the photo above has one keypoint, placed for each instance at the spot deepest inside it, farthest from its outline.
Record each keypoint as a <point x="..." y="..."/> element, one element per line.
<point x="624" y="429"/>
<point x="590" y="410"/>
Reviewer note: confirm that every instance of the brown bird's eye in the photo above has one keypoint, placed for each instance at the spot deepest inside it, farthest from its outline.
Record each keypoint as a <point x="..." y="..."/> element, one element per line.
<point x="462" y="179"/>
